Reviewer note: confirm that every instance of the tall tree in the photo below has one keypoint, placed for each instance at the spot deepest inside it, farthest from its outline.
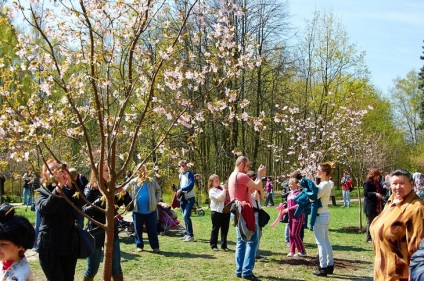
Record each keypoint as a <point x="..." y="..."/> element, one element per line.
<point x="405" y="99"/>
<point x="109" y="72"/>
<point x="421" y="86"/>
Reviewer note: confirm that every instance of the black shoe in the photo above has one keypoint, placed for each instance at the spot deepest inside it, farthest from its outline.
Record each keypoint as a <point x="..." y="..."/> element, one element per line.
<point x="330" y="269"/>
<point x="321" y="272"/>
<point x="238" y="275"/>
<point x="251" y="277"/>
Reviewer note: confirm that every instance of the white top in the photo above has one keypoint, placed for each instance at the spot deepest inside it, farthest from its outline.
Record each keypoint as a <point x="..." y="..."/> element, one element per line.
<point x="258" y="204"/>
<point x="217" y="198"/>
<point x="19" y="270"/>
<point x="183" y="182"/>
<point x="324" y="195"/>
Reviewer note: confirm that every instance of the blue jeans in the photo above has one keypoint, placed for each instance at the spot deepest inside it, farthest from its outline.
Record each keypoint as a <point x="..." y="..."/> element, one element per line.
<point x="245" y="254"/>
<point x="259" y="233"/>
<point x="93" y="261"/>
<point x="27" y="196"/>
<point x="186" y="206"/>
<point x="37" y="225"/>
<point x="150" y="220"/>
<point x="346" y="198"/>
<point x="325" y="250"/>
<point x="286" y="233"/>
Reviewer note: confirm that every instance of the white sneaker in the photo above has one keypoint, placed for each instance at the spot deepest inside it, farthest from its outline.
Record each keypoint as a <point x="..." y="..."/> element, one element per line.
<point x="300" y="255"/>
<point x="184" y="237"/>
<point x="189" y="239"/>
<point x="290" y="254"/>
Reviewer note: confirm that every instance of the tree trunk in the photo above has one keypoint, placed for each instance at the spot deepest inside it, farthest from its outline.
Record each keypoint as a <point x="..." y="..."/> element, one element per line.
<point x="108" y="247"/>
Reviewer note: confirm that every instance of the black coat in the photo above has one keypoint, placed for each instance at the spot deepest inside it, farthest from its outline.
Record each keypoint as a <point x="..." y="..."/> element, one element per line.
<point x="371" y="199"/>
<point x="57" y="231"/>
<point x="94" y="196"/>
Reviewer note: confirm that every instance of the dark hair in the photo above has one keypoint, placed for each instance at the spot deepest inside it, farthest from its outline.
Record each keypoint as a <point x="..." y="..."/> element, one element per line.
<point x="16" y="229"/>
<point x="251" y="174"/>
<point x="401" y="172"/>
<point x="296" y="175"/>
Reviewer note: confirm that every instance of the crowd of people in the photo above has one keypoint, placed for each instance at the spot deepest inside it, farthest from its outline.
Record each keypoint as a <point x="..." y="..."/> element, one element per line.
<point x="392" y="205"/>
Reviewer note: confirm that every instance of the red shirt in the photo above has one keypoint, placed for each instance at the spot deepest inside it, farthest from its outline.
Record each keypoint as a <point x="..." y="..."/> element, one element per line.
<point x="242" y="192"/>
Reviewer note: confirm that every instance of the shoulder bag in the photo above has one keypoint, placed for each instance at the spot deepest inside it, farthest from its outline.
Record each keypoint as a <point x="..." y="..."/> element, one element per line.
<point x="86" y="243"/>
<point x="263" y="217"/>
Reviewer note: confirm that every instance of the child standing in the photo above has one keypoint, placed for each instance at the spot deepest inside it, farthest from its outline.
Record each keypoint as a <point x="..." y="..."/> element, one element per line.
<point x="295" y="223"/>
<point x="16" y="236"/>
<point x="220" y="220"/>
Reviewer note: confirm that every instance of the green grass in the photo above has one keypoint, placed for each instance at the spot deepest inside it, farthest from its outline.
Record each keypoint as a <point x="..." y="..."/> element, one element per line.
<point x="195" y="260"/>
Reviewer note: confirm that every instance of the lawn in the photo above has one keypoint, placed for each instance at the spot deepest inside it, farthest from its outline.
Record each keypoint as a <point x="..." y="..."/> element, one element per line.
<point x="196" y="261"/>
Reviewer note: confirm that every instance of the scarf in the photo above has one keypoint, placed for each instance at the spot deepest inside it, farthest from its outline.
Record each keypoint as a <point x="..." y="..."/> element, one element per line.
<point x="379" y="206"/>
<point x="227" y="195"/>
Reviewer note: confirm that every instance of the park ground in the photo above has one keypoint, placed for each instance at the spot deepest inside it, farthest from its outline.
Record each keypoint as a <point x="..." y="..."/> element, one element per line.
<point x="196" y="261"/>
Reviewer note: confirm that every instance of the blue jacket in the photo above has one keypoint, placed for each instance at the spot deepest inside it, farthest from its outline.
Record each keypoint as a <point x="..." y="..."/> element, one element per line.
<point x="308" y="197"/>
<point x="416" y="266"/>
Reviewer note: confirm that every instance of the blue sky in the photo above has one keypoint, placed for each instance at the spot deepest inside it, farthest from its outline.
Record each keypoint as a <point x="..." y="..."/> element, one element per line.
<point x="391" y="32"/>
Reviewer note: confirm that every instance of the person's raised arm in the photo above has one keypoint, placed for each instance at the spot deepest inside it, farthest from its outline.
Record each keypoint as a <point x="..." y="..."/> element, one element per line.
<point x="257" y="184"/>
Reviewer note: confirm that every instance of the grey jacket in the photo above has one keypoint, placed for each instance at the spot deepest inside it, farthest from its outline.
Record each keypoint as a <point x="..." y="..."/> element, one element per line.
<point x="155" y="193"/>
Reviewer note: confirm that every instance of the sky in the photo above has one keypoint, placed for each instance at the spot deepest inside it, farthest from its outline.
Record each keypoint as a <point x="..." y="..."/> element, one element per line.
<point x="391" y="32"/>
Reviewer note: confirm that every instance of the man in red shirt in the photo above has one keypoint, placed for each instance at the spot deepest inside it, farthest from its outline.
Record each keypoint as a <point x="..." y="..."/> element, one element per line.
<point x="240" y="187"/>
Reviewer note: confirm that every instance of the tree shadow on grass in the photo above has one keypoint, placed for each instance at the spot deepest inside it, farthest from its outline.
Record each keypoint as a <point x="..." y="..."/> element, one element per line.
<point x="349" y="229"/>
<point x="273" y="278"/>
<point x="188" y="255"/>
<point x="128" y="256"/>
<point x="339" y="264"/>
<point x="350" y="277"/>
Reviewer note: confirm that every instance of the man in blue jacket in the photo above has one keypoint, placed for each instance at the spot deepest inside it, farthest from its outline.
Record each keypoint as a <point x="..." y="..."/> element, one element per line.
<point x="186" y="193"/>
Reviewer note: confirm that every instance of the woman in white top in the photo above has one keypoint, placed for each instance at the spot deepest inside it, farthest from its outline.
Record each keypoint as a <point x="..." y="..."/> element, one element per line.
<point x="219" y="198"/>
<point x="325" y="251"/>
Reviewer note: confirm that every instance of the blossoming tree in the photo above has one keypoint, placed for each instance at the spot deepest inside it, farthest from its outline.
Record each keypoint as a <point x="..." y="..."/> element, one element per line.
<point x="106" y="72"/>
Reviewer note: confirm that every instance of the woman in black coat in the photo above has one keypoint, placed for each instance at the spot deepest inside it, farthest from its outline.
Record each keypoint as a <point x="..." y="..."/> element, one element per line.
<point x="57" y="239"/>
<point x="94" y="196"/>
<point x="373" y="193"/>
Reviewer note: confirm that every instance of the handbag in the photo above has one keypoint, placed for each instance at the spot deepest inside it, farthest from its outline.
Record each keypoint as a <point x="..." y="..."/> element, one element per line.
<point x="86" y="243"/>
<point x="263" y="218"/>
<point x="285" y="218"/>
<point x="175" y="202"/>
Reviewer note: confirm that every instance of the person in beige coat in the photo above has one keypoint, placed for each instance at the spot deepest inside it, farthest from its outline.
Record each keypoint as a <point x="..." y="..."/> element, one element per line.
<point x="398" y="230"/>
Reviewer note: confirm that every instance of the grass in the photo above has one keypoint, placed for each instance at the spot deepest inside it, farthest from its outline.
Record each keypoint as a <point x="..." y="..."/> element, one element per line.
<point x="195" y="260"/>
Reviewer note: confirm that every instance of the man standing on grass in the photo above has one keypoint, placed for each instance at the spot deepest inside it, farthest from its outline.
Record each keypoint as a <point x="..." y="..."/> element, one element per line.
<point x="240" y="187"/>
<point x="186" y="193"/>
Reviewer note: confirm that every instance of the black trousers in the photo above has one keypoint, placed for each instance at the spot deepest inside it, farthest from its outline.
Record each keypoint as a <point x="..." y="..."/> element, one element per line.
<point x="58" y="268"/>
<point x="369" y="221"/>
<point x="269" y="199"/>
<point x="219" y="221"/>
<point x="333" y="200"/>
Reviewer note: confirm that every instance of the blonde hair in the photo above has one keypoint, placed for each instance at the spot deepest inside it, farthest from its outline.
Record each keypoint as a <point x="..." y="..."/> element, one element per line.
<point x="45" y="170"/>
<point x="93" y="179"/>
<point x="149" y="168"/>
<point x="210" y="181"/>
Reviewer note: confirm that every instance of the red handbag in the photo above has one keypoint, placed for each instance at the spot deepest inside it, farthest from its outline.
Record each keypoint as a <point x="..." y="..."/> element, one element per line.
<point x="175" y="202"/>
